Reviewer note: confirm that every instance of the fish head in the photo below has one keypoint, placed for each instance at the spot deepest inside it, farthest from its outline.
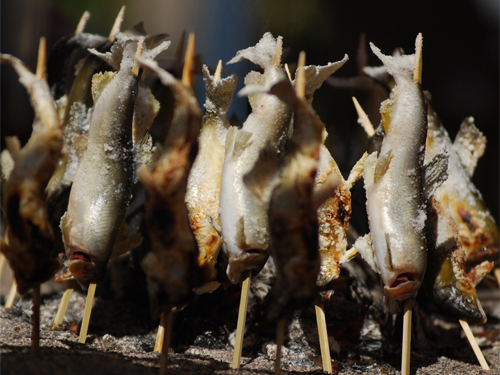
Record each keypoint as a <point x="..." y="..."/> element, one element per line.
<point x="459" y="300"/>
<point x="403" y="286"/>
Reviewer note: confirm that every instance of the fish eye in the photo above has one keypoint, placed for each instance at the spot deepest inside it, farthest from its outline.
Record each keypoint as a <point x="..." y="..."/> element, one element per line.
<point x="469" y="300"/>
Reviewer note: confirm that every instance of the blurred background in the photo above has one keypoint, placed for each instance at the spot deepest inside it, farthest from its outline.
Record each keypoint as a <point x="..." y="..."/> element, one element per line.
<point x="460" y="56"/>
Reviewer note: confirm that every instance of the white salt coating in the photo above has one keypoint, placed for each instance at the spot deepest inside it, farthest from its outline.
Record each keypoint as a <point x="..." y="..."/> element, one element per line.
<point x="261" y="54"/>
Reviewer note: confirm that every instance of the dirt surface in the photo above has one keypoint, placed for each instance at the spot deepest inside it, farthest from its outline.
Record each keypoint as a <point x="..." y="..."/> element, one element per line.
<point x="121" y="338"/>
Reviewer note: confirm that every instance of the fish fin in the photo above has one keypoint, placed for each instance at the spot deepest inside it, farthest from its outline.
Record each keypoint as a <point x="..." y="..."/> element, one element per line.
<point x="219" y="92"/>
<point x="469" y="144"/>
<point x="316" y="75"/>
<point x="214" y="224"/>
<point x="241" y="142"/>
<point x="383" y="163"/>
<point x="262" y="54"/>
<point x="230" y="138"/>
<point x="348" y="255"/>
<point x="80" y="141"/>
<point x="99" y="82"/>
<point x="126" y="245"/>
<point x="369" y="169"/>
<point x="240" y="233"/>
<point x="396" y="64"/>
<point x="7" y="164"/>
<point x="356" y="171"/>
<point x="477" y="273"/>
<point x="435" y="173"/>
<point x="284" y="90"/>
<point x="13" y="146"/>
<point x="260" y="180"/>
<point x="364" y="246"/>
<point x="146" y="108"/>
<point x="325" y="190"/>
<point x="145" y="153"/>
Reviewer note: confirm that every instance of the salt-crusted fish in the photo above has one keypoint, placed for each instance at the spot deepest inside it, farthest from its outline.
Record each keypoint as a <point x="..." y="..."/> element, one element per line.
<point x="243" y="217"/>
<point x="446" y="281"/>
<point x="203" y="188"/>
<point x="394" y="184"/>
<point x="102" y="185"/>
<point x="477" y="228"/>
<point x="293" y="202"/>
<point x="172" y="265"/>
<point x="30" y="248"/>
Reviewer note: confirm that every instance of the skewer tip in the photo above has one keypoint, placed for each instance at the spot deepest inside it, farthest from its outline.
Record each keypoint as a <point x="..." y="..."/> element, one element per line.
<point x="277" y="55"/>
<point x="42" y="59"/>
<point x="417" y="70"/>
<point x="117" y="25"/>
<point x="187" y="71"/>
<point x="300" y="84"/>
<point x="365" y="121"/>
<point x="135" y="67"/>
<point x="82" y="23"/>
<point x="218" y="71"/>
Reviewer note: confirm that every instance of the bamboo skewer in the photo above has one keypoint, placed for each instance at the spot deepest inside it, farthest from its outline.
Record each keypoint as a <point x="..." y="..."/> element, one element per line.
<point x="12" y="295"/>
<point x="86" y="316"/>
<point x="187" y="70"/>
<point x="42" y="59"/>
<point x="242" y="317"/>
<point x="365" y="121"/>
<point x="473" y="343"/>
<point x="117" y="25"/>
<point x="166" y="342"/>
<point x="417" y="70"/>
<point x="160" y="334"/>
<point x="218" y="71"/>
<point x="280" y="338"/>
<point x="323" y="339"/>
<point x="2" y="263"/>
<point x="35" y="322"/>
<point x="82" y="23"/>
<point x="496" y="271"/>
<point x="63" y="306"/>
<point x="406" y="352"/>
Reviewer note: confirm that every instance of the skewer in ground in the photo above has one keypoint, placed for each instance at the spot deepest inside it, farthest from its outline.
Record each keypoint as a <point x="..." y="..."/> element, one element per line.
<point x="240" y="328"/>
<point x="11" y="296"/>
<point x="497" y="275"/>
<point x="86" y="316"/>
<point x="473" y="343"/>
<point x="63" y="306"/>
<point x="35" y="322"/>
<point x="280" y="338"/>
<point x="406" y="352"/>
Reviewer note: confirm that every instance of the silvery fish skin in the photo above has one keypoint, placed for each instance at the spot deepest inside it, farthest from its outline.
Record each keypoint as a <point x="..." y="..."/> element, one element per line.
<point x="243" y="217"/>
<point x="203" y="188"/>
<point x="30" y="247"/>
<point x="172" y="265"/>
<point x="102" y="185"/>
<point x="394" y="186"/>
<point x="293" y="220"/>
<point x="478" y="230"/>
<point x="446" y="281"/>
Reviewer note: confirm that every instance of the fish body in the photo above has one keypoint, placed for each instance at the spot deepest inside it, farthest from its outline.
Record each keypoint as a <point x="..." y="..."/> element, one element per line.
<point x="243" y="217"/>
<point x="478" y="230"/>
<point x="29" y="233"/>
<point x="203" y="187"/>
<point x="446" y="280"/>
<point x="172" y="264"/>
<point x="394" y="182"/>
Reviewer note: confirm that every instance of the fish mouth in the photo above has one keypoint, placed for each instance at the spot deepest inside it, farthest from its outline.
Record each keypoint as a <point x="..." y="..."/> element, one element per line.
<point x="456" y="302"/>
<point x="82" y="266"/>
<point x="404" y="286"/>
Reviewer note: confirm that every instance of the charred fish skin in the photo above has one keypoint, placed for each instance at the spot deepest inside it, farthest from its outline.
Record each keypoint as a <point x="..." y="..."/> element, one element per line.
<point x="203" y="187"/>
<point x="478" y="229"/>
<point x="172" y="265"/>
<point x="29" y="232"/>
<point x="102" y="185"/>
<point x="394" y="186"/>
<point x="243" y="218"/>
<point x="446" y="281"/>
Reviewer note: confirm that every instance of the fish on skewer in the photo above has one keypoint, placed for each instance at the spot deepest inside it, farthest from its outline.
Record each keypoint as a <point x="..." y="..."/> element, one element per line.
<point x="103" y="182"/>
<point x="293" y="203"/>
<point x="30" y="248"/>
<point x="243" y="217"/>
<point x="172" y="265"/>
<point x="203" y="187"/>
<point x="394" y="184"/>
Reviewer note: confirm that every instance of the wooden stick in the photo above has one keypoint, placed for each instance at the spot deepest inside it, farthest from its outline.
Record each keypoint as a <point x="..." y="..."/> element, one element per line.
<point x="323" y="339"/>
<point x="35" y="322"/>
<point x="417" y="69"/>
<point x="242" y="317"/>
<point x="138" y="52"/>
<point x="300" y="77"/>
<point x="365" y="121"/>
<point x="280" y="338"/>
<point x="160" y="334"/>
<point x="63" y="306"/>
<point x="166" y="343"/>
<point x="473" y="343"/>
<point x="406" y="353"/>
<point x="218" y="71"/>
<point x="86" y="316"/>
<point x="187" y="70"/>
<point x="2" y="263"/>
<point x="12" y="295"/>
<point x="42" y="59"/>
<point x="82" y="23"/>
<point x="117" y="25"/>
<point x="287" y="70"/>
<point x="277" y="54"/>
<point x="496" y="271"/>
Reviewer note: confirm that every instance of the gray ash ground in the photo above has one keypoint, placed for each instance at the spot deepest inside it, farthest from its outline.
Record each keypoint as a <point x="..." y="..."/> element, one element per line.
<point x="122" y="335"/>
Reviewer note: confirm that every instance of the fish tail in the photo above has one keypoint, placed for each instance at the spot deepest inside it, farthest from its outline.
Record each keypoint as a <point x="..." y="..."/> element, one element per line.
<point x="265" y="53"/>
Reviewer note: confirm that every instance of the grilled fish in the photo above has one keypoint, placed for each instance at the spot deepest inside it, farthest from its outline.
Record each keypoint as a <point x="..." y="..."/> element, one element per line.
<point x="172" y="265"/>
<point x="30" y="248"/>
<point x="203" y="188"/>
<point x="243" y="217"/>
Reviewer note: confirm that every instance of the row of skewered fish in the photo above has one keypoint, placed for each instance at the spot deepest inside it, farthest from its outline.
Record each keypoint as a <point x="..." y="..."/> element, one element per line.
<point x="270" y="187"/>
